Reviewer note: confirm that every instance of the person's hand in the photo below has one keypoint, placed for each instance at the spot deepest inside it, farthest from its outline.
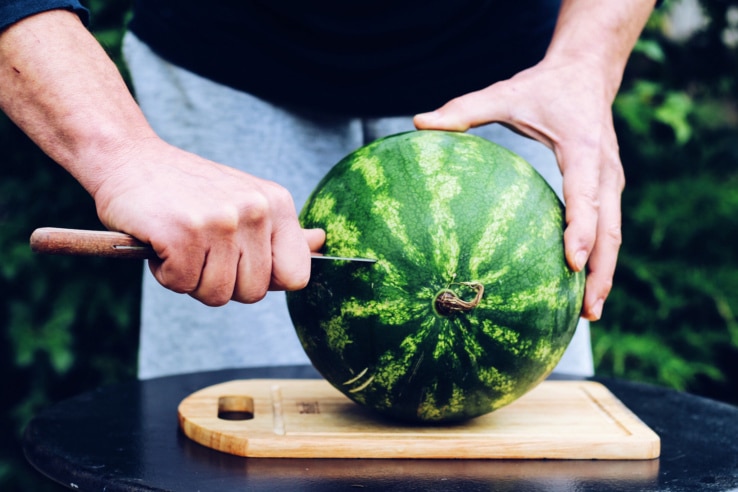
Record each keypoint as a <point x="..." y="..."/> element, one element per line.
<point x="564" y="105"/>
<point x="220" y="234"/>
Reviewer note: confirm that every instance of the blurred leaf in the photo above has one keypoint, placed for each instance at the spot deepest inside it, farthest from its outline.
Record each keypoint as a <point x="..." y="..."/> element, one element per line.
<point x="650" y="48"/>
<point x="674" y="112"/>
<point x="649" y="102"/>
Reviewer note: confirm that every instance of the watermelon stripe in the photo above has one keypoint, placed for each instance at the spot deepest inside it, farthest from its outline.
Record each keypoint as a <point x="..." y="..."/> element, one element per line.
<point x="441" y="188"/>
<point x="438" y="210"/>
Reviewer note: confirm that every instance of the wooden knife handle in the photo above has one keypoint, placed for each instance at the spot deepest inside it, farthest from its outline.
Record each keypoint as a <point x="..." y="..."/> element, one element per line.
<point x="78" y="242"/>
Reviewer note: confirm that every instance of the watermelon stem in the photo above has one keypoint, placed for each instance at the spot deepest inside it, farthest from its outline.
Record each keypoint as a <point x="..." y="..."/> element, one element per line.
<point x="448" y="302"/>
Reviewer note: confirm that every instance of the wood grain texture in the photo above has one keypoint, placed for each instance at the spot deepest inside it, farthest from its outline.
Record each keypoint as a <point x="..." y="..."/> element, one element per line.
<point x="77" y="242"/>
<point x="309" y="418"/>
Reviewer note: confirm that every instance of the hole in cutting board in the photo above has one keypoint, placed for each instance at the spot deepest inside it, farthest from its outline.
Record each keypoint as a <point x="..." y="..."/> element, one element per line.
<point x="235" y="408"/>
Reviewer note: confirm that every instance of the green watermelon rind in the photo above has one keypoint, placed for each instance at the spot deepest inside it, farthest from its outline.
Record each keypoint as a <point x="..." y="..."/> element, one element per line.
<point x="436" y="209"/>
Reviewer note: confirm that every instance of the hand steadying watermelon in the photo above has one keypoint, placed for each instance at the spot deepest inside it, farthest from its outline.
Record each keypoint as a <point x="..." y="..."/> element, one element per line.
<point x="470" y="304"/>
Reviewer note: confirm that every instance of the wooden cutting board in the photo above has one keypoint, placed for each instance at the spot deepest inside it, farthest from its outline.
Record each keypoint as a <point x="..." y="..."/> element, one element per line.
<point x="310" y="419"/>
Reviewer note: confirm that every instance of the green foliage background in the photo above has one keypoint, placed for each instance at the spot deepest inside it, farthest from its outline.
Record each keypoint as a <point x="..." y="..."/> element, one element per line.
<point x="671" y="318"/>
<point x="70" y="325"/>
<point x="67" y="325"/>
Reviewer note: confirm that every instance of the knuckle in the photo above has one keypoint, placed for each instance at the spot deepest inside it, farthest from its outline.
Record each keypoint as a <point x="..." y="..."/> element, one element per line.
<point x="256" y="209"/>
<point x="616" y="173"/>
<point x="251" y="290"/>
<point x="182" y="282"/>
<point x="604" y="284"/>
<point x="212" y="299"/>
<point x="598" y="287"/>
<point x="251" y="295"/>
<point x="586" y="196"/>
<point x="212" y="294"/>
<point x="226" y="224"/>
<point x="456" y="104"/>
<point x="217" y="294"/>
<point x="614" y="234"/>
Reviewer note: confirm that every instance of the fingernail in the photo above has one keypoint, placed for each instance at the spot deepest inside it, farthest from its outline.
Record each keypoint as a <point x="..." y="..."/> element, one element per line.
<point x="580" y="260"/>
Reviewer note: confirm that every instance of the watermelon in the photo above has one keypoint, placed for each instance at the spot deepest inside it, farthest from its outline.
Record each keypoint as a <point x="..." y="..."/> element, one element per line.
<point x="470" y="303"/>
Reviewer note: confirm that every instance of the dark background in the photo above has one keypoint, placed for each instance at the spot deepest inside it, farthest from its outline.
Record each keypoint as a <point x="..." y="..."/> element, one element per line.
<point x="69" y="325"/>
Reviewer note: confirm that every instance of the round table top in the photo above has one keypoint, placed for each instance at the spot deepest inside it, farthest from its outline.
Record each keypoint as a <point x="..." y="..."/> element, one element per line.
<point x="125" y="437"/>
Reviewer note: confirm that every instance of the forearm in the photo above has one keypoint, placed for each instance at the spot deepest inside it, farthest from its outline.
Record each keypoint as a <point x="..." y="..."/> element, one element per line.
<point x="601" y="34"/>
<point x="60" y="87"/>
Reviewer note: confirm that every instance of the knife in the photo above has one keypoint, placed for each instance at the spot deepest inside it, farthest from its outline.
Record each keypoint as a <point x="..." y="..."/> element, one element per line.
<point x="79" y="242"/>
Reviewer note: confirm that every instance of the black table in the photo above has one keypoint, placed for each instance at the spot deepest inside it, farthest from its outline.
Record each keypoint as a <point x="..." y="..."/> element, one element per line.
<point x="125" y="438"/>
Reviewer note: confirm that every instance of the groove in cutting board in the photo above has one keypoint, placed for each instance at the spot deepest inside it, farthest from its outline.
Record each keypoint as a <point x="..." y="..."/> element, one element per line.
<point x="309" y="418"/>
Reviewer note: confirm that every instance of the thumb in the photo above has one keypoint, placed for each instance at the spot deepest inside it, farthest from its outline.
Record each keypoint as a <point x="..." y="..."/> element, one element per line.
<point x="438" y="120"/>
<point x="464" y="112"/>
